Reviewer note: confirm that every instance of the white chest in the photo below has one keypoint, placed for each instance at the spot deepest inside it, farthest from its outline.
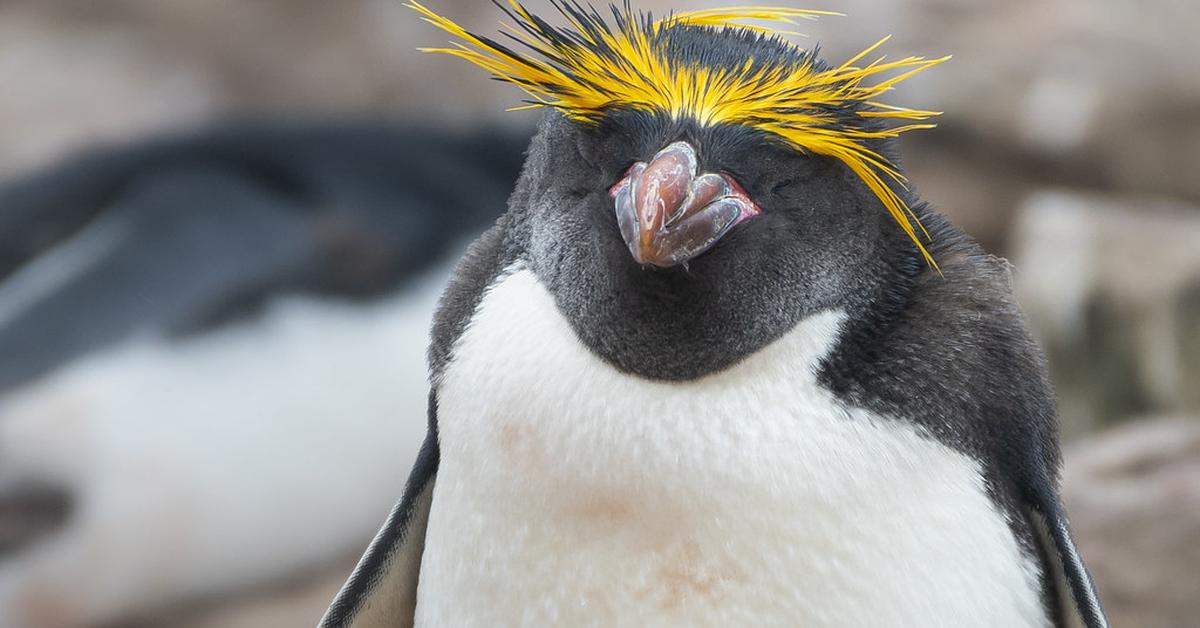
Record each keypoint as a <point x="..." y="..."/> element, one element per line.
<point x="572" y="494"/>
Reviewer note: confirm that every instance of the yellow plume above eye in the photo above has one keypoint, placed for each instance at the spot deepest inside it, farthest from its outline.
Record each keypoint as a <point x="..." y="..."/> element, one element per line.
<point x="594" y="65"/>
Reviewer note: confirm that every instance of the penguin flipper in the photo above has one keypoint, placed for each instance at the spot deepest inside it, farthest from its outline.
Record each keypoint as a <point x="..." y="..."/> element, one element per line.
<point x="382" y="591"/>
<point x="1078" y="603"/>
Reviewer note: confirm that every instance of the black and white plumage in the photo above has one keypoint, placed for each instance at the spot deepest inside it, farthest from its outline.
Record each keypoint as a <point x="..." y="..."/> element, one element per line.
<point x="798" y="423"/>
<point x="178" y="234"/>
<point x="205" y="342"/>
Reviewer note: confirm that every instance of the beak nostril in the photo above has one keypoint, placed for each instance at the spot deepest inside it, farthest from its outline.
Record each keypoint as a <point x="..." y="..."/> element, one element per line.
<point x="704" y="190"/>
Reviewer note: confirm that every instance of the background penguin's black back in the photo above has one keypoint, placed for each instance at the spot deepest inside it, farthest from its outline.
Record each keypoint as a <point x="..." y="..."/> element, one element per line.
<point x="176" y="235"/>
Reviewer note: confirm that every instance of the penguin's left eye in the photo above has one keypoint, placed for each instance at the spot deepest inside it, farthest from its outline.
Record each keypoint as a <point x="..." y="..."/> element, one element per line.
<point x="783" y="186"/>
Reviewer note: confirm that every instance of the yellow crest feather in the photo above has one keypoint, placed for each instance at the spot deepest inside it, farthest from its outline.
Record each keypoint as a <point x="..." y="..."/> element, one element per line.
<point x="591" y="67"/>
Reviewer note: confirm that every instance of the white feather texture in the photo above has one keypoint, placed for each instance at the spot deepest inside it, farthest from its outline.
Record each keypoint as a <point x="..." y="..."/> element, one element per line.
<point x="571" y="494"/>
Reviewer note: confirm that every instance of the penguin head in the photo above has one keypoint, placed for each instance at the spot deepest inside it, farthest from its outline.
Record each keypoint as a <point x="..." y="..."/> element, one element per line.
<point x="801" y="235"/>
<point x="696" y="187"/>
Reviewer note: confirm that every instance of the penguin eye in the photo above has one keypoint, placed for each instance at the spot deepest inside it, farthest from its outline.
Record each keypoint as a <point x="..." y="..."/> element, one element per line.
<point x="782" y="186"/>
<point x="794" y="174"/>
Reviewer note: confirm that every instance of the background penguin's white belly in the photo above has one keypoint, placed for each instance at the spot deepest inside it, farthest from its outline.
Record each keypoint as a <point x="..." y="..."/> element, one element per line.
<point x="571" y="494"/>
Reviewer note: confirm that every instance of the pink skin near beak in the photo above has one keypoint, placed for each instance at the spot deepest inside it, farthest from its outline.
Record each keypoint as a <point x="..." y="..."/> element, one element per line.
<point x="669" y="215"/>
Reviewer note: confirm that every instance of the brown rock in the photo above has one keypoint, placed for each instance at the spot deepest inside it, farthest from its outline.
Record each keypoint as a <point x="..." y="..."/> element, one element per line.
<point x="1110" y="286"/>
<point x="1134" y="498"/>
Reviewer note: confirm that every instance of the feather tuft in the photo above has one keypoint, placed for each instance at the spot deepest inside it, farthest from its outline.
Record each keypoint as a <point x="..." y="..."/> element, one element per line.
<point x="594" y="65"/>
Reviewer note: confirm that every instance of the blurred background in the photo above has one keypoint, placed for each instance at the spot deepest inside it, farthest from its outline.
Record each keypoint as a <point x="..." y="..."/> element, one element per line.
<point x="223" y="225"/>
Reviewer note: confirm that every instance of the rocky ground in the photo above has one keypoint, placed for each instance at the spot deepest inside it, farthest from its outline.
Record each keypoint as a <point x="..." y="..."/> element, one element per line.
<point x="1133" y="493"/>
<point x="1070" y="144"/>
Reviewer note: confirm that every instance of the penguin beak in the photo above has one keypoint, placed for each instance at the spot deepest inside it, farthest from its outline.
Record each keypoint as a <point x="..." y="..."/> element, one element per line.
<point x="668" y="214"/>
